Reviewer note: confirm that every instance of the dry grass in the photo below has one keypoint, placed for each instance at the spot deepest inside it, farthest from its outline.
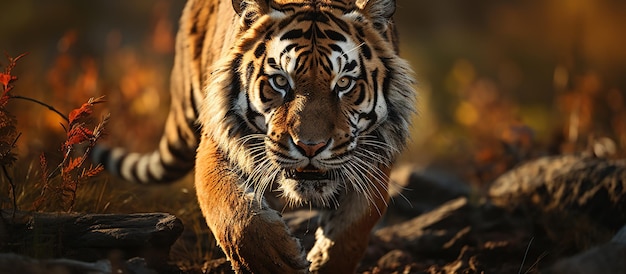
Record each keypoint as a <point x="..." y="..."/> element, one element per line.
<point x="69" y="182"/>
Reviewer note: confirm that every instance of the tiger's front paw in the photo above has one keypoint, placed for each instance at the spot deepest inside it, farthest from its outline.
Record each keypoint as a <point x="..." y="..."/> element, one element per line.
<point x="264" y="244"/>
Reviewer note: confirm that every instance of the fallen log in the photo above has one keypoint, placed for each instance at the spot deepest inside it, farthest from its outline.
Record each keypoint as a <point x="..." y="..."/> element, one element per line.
<point x="91" y="237"/>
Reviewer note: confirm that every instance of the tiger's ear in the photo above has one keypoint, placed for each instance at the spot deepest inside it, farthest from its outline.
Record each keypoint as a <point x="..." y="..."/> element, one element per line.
<point x="250" y="10"/>
<point x="379" y="11"/>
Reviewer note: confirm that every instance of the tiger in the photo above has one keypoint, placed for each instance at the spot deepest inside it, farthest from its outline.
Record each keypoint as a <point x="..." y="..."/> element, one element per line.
<point x="306" y="100"/>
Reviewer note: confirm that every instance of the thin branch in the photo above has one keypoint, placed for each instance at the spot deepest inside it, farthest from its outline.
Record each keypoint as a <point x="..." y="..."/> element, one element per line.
<point x="12" y="184"/>
<point x="545" y="253"/>
<point x="525" y="255"/>
<point x="12" y="61"/>
<point x="42" y="104"/>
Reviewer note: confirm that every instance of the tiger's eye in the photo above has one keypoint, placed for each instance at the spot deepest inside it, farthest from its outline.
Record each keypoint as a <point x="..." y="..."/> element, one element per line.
<point x="343" y="82"/>
<point x="281" y="81"/>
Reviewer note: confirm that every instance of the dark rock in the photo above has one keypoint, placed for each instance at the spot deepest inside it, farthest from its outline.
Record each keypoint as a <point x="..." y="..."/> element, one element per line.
<point x="606" y="258"/>
<point x="92" y="237"/>
<point x="432" y="232"/>
<point x="415" y="190"/>
<point x="11" y="263"/>
<point x="578" y="201"/>
<point x="457" y="235"/>
<point x="394" y="259"/>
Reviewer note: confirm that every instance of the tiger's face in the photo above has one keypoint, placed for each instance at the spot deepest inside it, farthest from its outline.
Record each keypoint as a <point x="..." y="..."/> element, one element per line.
<point x="313" y="86"/>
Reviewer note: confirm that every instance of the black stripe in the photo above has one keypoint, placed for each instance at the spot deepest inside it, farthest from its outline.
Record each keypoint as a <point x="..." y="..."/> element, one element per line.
<point x="235" y="84"/>
<point x="179" y="154"/>
<point x="194" y="105"/>
<point x="260" y="50"/>
<point x="104" y="159"/>
<point x="289" y="47"/>
<point x="309" y="34"/>
<point x="268" y="35"/>
<point x="366" y="51"/>
<point x="320" y="34"/>
<point x="280" y="145"/>
<point x="350" y="66"/>
<point x="286" y="8"/>
<point x="352" y="125"/>
<point x="133" y="169"/>
<point x="374" y="75"/>
<point x="369" y="116"/>
<point x="335" y="35"/>
<point x="262" y="96"/>
<point x="272" y="63"/>
<point x="323" y="50"/>
<point x="326" y="66"/>
<point x="282" y="155"/>
<point x="361" y="95"/>
<point x="151" y="177"/>
<point x="292" y="34"/>
<point x="307" y="16"/>
<point x="328" y="62"/>
<point x="340" y="23"/>
<point x="301" y="62"/>
<point x="335" y="47"/>
<point x="360" y="32"/>
<point x="180" y="165"/>
<point x="322" y="17"/>
<point x="251" y="115"/>
<point x="118" y="164"/>
<point x="372" y="116"/>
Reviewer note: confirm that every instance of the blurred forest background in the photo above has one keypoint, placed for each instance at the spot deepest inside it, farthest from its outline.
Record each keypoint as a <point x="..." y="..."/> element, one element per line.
<point x="499" y="81"/>
<point x="544" y="76"/>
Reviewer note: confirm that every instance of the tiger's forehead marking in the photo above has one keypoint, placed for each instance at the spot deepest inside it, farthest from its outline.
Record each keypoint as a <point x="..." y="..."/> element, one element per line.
<point x="313" y="40"/>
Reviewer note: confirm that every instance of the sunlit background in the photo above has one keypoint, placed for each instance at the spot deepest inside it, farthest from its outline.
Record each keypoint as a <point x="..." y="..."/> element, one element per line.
<point x="499" y="81"/>
<point x="488" y="70"/>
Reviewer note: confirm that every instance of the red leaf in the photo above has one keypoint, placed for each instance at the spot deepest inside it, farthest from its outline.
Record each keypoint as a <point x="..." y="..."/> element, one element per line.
<point x="72" y="164"/>
<point x="77" y="135"/>
<point x="85" y="110"/>
<point x="92" y="171"/>
<point x="5" y="79"/>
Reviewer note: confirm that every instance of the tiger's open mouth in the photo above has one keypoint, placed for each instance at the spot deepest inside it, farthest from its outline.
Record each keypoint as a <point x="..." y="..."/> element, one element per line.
<point x="309" y="185"/>
<point x="309" y="173"/>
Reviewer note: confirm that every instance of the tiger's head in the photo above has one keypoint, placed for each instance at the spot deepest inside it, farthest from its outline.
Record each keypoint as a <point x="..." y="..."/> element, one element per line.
<point x="312" y="96"/>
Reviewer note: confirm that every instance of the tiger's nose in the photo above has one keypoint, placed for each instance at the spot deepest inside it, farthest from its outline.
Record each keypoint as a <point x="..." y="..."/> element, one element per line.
<point x="311" y="149"/>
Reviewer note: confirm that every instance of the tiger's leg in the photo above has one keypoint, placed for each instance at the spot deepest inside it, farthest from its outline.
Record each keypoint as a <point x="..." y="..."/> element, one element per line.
<point x="254" y="237"/>
<point x="344" y="233"/>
